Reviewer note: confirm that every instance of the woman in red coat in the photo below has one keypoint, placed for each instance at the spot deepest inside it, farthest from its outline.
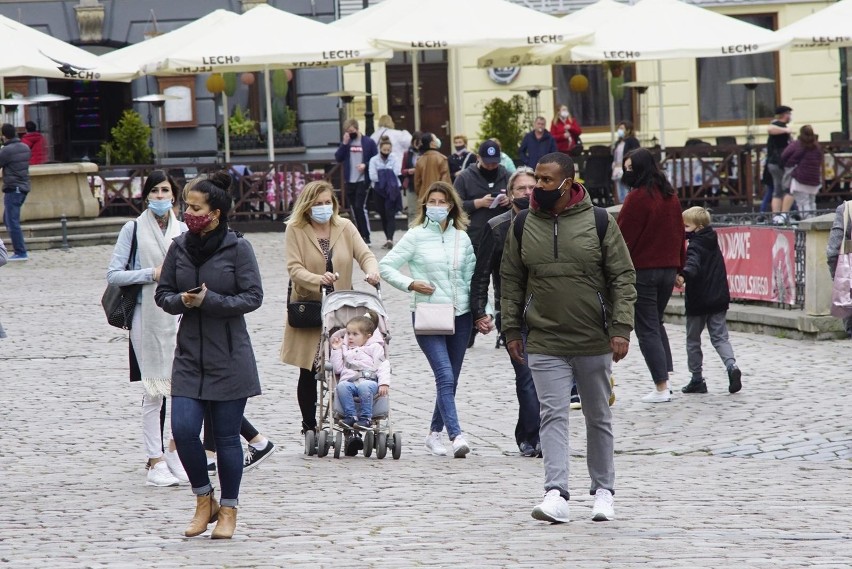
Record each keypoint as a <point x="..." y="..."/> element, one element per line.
<point x="565" y="129"/>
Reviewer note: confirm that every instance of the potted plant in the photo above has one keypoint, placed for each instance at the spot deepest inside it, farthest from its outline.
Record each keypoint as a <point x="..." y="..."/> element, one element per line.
<point x="285" y="125"/>
<point x="242" y="130"/>
<point x="129" y="142"/>
<point x="506" y="121"/>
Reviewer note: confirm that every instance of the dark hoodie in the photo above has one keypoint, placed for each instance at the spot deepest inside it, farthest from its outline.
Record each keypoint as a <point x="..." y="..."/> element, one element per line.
<point x="705" y="275"/>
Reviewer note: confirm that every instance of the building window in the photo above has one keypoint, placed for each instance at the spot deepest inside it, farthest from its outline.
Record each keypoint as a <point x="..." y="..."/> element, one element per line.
<point x="180" y="111"/>
<point x="591" y="106"/>
<point x="721" y="104"/>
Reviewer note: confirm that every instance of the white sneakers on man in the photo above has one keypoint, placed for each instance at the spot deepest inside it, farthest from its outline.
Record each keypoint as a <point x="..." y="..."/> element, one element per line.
<point x="175" y="466"/>
<point x="159" y="475"/>
<point x="434" y="445"/>
<point x="655" y="396"/>
<point x="554" y="508"/>
<point x="460" y="446"/>
<point x="603" y="510"/>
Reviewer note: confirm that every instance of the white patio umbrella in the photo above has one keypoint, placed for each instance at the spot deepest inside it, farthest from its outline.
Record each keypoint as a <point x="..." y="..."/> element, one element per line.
<point x="829" y="27"/>
<point x="670" y="29"/>
<point x="267" y="38"/>
<point x="417" y="25"/>
<point x="136" y="55"/>
<point x="27" y="51"/>
<point x="590" y="18"/>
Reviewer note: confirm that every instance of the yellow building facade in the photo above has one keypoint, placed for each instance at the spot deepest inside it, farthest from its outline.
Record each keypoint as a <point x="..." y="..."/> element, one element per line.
<point x="807" y="81"/>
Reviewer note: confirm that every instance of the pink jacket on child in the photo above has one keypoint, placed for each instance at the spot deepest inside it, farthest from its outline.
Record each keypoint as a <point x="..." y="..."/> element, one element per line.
<point x="348" y="362"/>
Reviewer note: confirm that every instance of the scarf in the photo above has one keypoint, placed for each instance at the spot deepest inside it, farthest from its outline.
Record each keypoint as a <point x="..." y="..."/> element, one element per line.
<point x="159" y="329"/>
<point x="202" y="248"/>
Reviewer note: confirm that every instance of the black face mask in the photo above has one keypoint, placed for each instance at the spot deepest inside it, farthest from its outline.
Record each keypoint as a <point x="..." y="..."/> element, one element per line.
<point x="545" y="199"/>
<point x="522" y="203"/>
<point x="489" y="175"/>
<point x="628" y="178"/>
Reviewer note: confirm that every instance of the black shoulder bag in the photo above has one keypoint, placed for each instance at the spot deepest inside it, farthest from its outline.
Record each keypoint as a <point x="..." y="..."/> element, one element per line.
<point x="119" y="302"/>
<point x="305" y="313"/>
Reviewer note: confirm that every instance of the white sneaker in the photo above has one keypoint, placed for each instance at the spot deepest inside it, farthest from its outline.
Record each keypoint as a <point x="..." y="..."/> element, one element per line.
<point x="175" y="466"/>
<point x="460" y="446"/>
<point x="603" y="510"/>
<point x="159" y="475"/>
<point x="434" y="445"/>
<point x="655" y="396"/>
<point x="554" y="508"/>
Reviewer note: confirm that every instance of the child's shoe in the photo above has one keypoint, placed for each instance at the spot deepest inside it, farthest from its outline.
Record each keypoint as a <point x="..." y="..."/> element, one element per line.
<point x="348" y="422"/>
<point x="734" y="379"/>
<point x="365" y="424"/>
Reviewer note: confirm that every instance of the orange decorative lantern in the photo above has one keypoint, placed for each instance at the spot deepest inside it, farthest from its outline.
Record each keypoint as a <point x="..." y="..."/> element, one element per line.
<point x="578" y="83"/>
<point x="215" y="83"/>
<point x="247" y="78"/>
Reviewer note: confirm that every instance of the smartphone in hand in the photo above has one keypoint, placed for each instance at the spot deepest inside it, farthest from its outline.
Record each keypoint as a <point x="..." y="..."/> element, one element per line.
<point x="195" y="290"/>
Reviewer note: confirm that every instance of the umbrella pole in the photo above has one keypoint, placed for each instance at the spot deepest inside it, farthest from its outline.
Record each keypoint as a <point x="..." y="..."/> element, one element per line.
<point x="415" y="85"/>
<point x="611" y="107"/>
<point x="270" y="145"/>
<point x="227" y="128"/>
<point x="660" y="96"/>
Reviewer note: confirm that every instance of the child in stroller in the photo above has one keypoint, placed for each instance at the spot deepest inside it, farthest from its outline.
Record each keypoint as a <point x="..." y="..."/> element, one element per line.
<point x="358" y="358"/>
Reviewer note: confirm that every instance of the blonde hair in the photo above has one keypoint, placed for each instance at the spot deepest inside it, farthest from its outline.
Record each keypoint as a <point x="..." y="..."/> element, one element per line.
<point x="463" y="137"/>
<point x="697" y="216"/>
<point x="350" y="122"/>
<point x="366" y="323"/>
<point x="457" y="213"/>
<point x="386" y="121"/>
<point x="301" y="215"/>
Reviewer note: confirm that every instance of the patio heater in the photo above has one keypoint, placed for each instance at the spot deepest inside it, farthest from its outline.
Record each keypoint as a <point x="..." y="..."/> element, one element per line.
<point x="347" y="97"/>
<point x="751" y="84"/>
<point x="158" y="101"/>
<point x="641" y="88"/>
<point x="45" y="125"/>
<point x="10" y="109"/>
<point x="533" y="91"/>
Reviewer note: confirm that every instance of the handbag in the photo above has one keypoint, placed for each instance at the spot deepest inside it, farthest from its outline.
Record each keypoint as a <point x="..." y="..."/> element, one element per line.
<point x="119" y="302"/>
<point x="433" y="319"/>
<point x="304" y="313"/>
<point x="841" y="291"/>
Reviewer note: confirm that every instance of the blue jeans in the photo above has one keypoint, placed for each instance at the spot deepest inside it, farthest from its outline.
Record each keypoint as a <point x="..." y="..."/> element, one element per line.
<point x="187" y="417"/>
<point x="445" y="355"/>
<point x="365" y="389"/>
<point x="653" y="291"/>
<point x="12" y="203"/>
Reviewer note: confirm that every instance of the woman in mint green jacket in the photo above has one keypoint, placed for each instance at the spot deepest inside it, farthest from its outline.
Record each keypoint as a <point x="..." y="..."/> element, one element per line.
<point x="440" y="259"/>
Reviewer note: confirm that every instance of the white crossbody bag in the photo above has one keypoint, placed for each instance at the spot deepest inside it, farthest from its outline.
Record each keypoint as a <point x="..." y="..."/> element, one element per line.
<point x="433" y="319"/>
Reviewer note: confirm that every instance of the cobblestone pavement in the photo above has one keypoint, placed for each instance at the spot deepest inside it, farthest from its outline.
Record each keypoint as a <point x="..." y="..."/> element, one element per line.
<point x="759" y="479"/>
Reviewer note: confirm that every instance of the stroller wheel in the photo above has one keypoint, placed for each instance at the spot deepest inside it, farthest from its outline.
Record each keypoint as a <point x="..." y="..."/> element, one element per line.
<point x="310" y="444"/>
<point x="322" y="444"/>
<point x="397" y="445"/>
<point x="381" y="445"/>
<point x="338" y="444"/>
<point x="369" y="441"/>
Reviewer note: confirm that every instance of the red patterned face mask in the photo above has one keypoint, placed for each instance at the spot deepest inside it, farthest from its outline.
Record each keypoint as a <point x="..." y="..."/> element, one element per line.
<point x="196" y="223"/>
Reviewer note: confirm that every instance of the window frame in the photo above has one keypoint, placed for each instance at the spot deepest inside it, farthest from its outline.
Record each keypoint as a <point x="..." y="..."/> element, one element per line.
<point x="635" y="111"/>
<point x="180" y="81"/>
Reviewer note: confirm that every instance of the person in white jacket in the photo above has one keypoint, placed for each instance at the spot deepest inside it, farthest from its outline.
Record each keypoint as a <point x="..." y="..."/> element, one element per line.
<point x="358" y="357"/>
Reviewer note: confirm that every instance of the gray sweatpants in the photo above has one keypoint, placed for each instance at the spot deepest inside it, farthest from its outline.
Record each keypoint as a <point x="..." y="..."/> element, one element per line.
<point x="718" y="329"/>
<point x="553" y="377"/>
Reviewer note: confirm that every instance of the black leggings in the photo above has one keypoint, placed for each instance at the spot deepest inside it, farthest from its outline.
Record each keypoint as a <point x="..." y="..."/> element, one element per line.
<point x="247" y="431"/>
<point x="306" y="393"/>
<point x="387" y="213"/>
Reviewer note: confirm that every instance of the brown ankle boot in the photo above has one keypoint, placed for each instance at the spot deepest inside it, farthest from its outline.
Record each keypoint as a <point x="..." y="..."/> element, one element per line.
<point x="227" y="523"/>
<point x="206" y="511"/>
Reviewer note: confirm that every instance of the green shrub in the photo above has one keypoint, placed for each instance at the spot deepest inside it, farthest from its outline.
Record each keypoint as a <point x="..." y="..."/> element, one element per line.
<point x="129" y="142"/>
<point x="505" y="121"/>
<point x="239" y="124"/>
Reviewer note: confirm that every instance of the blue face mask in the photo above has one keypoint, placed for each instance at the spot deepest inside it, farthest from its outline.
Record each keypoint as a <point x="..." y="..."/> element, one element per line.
<point x="437" y="213"/>
<point x="322" y="213"/>
<point x="160" y="207"/>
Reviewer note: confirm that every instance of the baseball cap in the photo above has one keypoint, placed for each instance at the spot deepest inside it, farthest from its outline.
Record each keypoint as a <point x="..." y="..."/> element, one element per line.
<point x="780" y="110"/>
<point x="489" y="153"/>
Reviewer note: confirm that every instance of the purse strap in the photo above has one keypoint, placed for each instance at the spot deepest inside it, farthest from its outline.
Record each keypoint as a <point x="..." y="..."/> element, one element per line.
<point x="131" y="259"/>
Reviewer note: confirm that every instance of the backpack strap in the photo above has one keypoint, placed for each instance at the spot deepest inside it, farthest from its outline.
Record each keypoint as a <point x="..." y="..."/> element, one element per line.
<point x="131" y="259"/>
<point x="601" y="225"/>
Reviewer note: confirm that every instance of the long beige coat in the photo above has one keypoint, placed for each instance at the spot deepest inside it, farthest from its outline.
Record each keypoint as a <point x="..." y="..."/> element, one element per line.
<point x="306" y="265"/>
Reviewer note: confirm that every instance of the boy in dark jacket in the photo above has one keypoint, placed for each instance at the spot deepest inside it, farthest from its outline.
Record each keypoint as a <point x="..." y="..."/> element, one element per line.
<point x="707" y="299"/>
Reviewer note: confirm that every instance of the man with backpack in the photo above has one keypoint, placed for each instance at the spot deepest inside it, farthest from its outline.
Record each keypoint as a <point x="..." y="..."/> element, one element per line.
<point x="573" y="292"/>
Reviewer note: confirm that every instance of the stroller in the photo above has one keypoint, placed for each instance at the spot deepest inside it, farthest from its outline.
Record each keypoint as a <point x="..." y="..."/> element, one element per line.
<point x="337" y="309"/>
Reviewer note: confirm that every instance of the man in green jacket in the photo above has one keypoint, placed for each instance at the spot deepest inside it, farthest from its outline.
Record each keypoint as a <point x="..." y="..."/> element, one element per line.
<point x="573" y="292"/>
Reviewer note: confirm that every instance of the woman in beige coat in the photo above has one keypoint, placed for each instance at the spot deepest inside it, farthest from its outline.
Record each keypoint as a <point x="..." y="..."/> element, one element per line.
<point x="315" y="232"/>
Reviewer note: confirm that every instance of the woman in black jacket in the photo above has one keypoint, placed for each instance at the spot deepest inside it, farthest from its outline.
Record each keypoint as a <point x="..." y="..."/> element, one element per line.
<point x="210" y="277"/>
<point x="626" y="143"/>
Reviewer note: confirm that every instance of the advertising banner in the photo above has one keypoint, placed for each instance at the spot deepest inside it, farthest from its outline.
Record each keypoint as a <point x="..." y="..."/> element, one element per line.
<point x="761" y="262"/>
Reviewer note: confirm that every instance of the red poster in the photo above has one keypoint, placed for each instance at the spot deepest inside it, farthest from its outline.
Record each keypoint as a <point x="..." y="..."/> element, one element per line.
<point x="761" y="262"/>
